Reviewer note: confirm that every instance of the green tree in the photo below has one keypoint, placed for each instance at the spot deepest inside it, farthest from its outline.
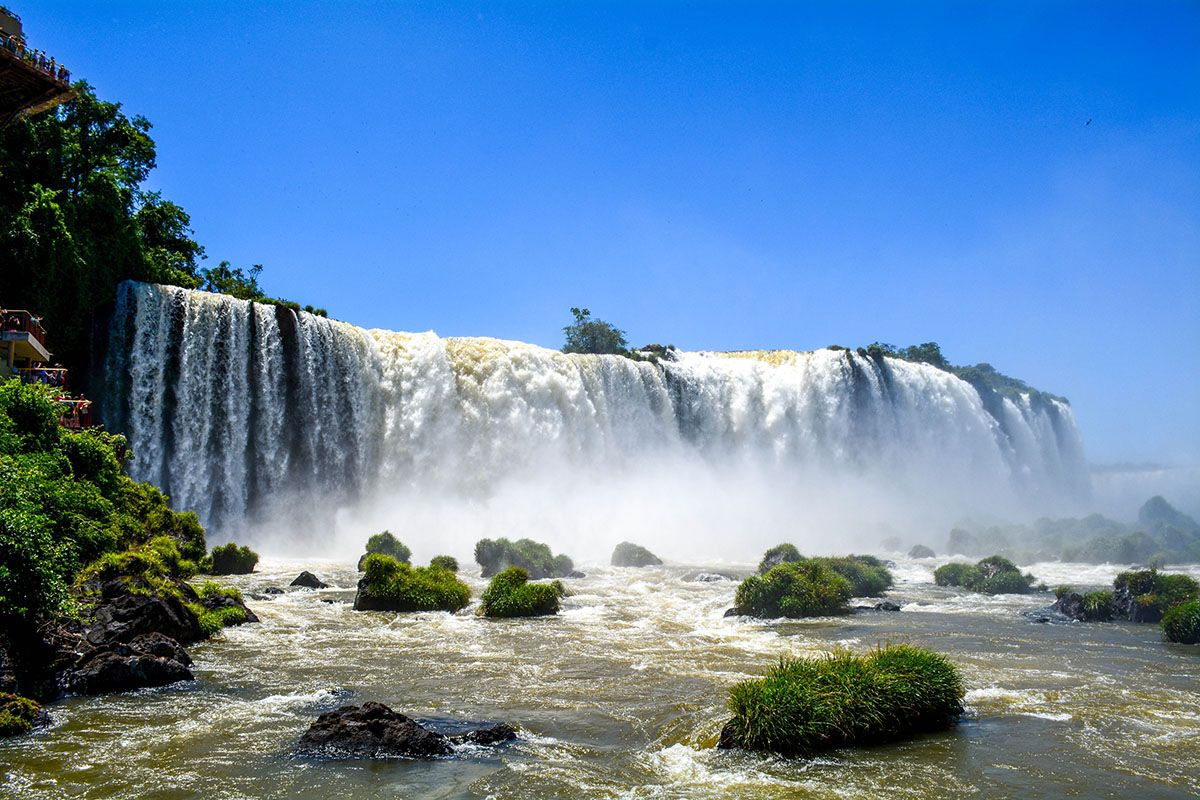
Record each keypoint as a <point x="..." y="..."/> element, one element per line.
<point x="224" y="279"/>
<point x="590" y="335"/>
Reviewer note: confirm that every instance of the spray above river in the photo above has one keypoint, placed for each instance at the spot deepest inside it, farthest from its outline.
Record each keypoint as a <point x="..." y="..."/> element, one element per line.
<point x="282" y="423"/>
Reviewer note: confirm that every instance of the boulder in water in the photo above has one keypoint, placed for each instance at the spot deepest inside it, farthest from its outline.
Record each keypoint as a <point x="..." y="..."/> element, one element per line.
<point x="309" y="581"/>
<point x="921" y="551"/>
<point x="121" y="667"/>
<point x="628" y="554"/>
<point x="373" y="730"/>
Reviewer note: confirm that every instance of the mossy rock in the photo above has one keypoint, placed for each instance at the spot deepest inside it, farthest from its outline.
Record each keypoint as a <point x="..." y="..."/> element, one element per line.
<point x="1182" y="623"/>
<point x="230" y="559"/>
<point x="386" y="544"/>
<point x="510" y="594"/>
<point x="628" y="554"/>
<point x="807" y="588"/>
<point x="537" y="559"/>
<point x="921" y="551"/>
<point x="391" y="585"/>
<point x="804" y="706"/>
<point x="19" y="715"/>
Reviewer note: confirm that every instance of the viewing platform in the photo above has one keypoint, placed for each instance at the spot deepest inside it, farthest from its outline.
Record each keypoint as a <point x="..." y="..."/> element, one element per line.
<point x="23" y="348"/>
<point x="30" y="81"/>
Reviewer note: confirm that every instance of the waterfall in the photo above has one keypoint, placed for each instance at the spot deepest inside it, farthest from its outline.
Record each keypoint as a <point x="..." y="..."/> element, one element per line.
<point x="244" y="412"/>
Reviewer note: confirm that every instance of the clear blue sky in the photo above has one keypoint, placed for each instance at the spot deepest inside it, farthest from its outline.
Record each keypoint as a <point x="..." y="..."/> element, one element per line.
<point x="718" y="176"/>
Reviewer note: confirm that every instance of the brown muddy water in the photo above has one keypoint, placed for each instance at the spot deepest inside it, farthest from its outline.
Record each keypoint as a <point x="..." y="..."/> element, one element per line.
<point x="622" y="696"/>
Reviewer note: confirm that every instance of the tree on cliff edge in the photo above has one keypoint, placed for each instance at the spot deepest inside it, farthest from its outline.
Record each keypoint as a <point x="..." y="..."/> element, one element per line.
<point x="590" y="335"/>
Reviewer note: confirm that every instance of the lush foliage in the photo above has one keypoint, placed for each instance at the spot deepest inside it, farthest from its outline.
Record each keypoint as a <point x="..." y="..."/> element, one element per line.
<point x="398" y="586"/>
<point x="386" y="544"/>
<point x="1098" y="606"/>
<point x="67" y="502"/>
<point x="537" y="559"/>
<point x="808" y="588"/>
<point x="589" y="335"/>
<point x="779" y="554"/>
<point x="992" y="575"/>
<point x="510" y="594"/>
<point x="1182" y="623"/>
<point x="1146" y="595"/>
<point x="76" y="219"/>
<point x="867" y="574"/>
<point x="17" y="714"/>
<point x="628" y="554"/>
<point x="218" y="607"/>
<point x="806" y="705"/>
<point x="449" y="563"/>
<point x="229" y="559"/>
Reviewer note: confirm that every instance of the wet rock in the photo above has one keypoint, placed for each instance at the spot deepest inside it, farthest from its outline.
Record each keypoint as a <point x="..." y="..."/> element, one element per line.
<point x="215" y="601"/>
<point x="156" y="644"/>
<point x="122" y="616"/>
<point x="309" y="581"/>
<point x="886" y="605"/>
<point x="732" y="612"/>
<point x="272" y="590"/>
<point x="709" y="577"/>
<point x="729" y="739"/>
<point x="921" y="551"/>
<point x="575" y="574"/>
<point x="628" y="554"/>
<point x="121" y="667"/>
<point x="1070" y="605"/>
<point x="373" y="730"/>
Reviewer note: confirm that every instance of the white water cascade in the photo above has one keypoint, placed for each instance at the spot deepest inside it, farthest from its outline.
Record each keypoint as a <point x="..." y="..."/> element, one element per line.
<point x="261" y="418"/>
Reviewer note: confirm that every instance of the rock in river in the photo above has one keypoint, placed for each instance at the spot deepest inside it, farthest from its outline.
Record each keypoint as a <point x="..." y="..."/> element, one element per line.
<point x="309" y="581"/>
<point x="373" y="730"/>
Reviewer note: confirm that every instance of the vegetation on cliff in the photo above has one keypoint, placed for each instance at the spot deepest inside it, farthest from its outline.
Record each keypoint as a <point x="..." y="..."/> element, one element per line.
<point x="807" y="705"/>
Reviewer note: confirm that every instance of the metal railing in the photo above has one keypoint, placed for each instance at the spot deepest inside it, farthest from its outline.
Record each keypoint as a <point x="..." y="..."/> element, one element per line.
<point x="15" y="319"/>
<point x="35" y="58"/>
<point x="48" y="376"/>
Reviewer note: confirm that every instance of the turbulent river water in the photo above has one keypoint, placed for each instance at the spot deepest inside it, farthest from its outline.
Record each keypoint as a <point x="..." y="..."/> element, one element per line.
<point x="622" y="695"/>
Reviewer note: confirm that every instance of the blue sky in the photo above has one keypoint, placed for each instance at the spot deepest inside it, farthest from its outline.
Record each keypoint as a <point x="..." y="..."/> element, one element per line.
<point x="718" y="176"/>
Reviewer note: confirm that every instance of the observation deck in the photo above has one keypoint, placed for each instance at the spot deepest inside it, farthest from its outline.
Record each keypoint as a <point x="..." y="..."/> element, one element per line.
<point x="30" y="81"/>
<point x="25" y="356"/>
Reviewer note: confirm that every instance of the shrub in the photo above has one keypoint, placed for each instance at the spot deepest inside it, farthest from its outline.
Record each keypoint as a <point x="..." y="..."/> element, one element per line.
<point x="867" y="575"/>
<point x="1062" y="591"/>
<point x="921" y="551"/>
<point x="388" y="545"/>
<point x="795" y="589"/>
<point x="497" y="555"/>
<point x="779" y="554"/>
<point x="154" y="568"/>
<point x="628" y="554"/>
<point x="17" y="714"/>
<point x="510" y="594"/>
<point x="806" y="705"/>
<point x="230" y="559"/>
<point x="1098" y="606"/>
<point x="449" y="563"/>
<point x="1182" y="623"/>
<point x="391" y="585"/>
<point x="992" y="575"/>
<point x="1146" y="595"/>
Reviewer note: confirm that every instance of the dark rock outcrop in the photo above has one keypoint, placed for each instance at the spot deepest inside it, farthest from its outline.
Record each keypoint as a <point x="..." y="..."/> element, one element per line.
<point x="628" y="554"/>
<point x="886" y="605"/>
<point x="709" y="577"/>
<point x="121" y="615"/>
<point x="121" y="667"/>
<point x="309" y="581"/>
<point x="373" y="730"/>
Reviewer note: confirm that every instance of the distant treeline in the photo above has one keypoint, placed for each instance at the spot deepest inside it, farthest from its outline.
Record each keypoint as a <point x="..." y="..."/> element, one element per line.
<point x="76" y="219"/>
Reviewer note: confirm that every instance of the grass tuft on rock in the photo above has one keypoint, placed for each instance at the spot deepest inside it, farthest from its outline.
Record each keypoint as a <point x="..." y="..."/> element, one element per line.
<point x="992" y="575"/>
<point x="229" y="559"/>
<point x="808" y="588"/>
<point x="806" y="705"/>
<point x="1182" y="623"/>
<point x="537" y="559"/>
<point x="868" y="576"/>
<point x="391" y="585"/>
<point x="17" y="714"/>
<point x="387" y="544"/>
<point x="510" y="594"/>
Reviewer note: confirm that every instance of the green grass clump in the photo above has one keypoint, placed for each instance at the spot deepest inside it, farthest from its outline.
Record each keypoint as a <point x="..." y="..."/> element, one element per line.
<point x="449" y="563"/>
<point x="1098" y="606"/>
<point x="867" y="575"/>
<point x="388" y="545"/>
<point x="391" y="585"/>
<point x="537" y="559"/>
<point x="1182" y="623"/>
<point x="510" y="594"/>
<point x="230" y="559"/>
<point x="992" y="575"/>
<point x="806" y="588"/>
<point x="806" y="705"/>
<point x="213" y="620"/>
<point x="1147" y="595"/>
<point x="779" y="554"/>
<point x="17" y="714"/>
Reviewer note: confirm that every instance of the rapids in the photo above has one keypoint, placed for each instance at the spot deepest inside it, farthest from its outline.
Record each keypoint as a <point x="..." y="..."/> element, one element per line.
<point x="622" y="696"/>
<point x="267" y="421"/>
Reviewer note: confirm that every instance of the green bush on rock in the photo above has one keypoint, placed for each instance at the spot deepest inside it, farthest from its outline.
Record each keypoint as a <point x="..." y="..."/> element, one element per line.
<point x="17" y="714"/>
<point x="537" y="559"/>
<point x="806" y="705"/>
<point x="1182" y="623"/>
<point x="229" y="559"/>
<point x="992" y="575"/>
<point x="1147" y="595"/>
<point x="449" y="563"/>
<point x="388" y="545"/>
<point x="867" y="574"/>
<point x="510" y="594"/>
<point x="391" y="585"/>
<point x="807" y="588"/>
<point x="779" y="554"/>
